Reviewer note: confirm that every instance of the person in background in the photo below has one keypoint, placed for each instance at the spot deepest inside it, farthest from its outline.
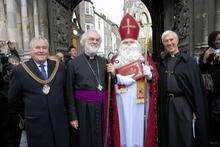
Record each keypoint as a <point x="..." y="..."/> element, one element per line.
<point x="73" y="52"/>
<point x="60" y="57"/>
<point x="12" y="132"/>
<point x="73" y="132"/>
<point x="210" y="64"/>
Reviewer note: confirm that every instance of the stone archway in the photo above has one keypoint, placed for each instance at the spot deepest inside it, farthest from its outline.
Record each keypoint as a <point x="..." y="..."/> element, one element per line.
<point x="60" y="30"/>
<point x="61" y="10"/>
<point x="155" y="8"/>
<point x="176" y="15"/>
<point x="191" y="19"/>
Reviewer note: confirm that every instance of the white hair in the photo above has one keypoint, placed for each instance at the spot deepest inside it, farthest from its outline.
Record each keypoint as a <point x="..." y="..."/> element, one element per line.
<point x="35" y="39"/>
<point x="169" y="32"/>
<point x="86" y="35"/>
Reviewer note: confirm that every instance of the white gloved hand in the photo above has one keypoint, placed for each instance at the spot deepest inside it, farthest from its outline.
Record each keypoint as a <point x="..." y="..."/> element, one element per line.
<point x="147" y="71"/>
<point x="125" y="80"/>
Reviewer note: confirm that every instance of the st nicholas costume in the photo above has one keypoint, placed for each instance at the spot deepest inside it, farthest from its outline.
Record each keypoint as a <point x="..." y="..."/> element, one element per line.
<point x="130" y="127"/>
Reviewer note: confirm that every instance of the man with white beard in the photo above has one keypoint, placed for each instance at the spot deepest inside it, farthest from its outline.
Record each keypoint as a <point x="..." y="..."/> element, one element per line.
<point x="86" y="85"/>
<point x="129" y="51"/>
<point x="130" y="90"/>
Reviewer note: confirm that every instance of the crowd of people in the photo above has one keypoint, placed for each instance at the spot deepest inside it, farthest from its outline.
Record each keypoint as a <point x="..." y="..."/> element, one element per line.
<point x="127" y="101"/>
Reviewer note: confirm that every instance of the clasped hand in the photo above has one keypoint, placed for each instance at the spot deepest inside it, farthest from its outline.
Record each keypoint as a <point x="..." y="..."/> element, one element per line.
<point x="111" y="69"/>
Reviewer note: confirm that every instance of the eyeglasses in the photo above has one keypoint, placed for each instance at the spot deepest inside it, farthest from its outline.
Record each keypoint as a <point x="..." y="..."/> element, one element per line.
<point x="40" y="47"/>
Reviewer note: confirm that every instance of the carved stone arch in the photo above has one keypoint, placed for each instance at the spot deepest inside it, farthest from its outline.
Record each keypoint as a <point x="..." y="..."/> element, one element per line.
<point x="165" y="14"/>
<point x="182" y="23"/>
<point x="60" y="25"/>
<point x="156" y="10"/>
<point x="176" y="15"/>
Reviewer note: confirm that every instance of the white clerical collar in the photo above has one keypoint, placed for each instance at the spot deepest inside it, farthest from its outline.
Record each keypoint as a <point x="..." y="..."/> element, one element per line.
<point x="172" y="55"/>
<point x="90" y="57"/>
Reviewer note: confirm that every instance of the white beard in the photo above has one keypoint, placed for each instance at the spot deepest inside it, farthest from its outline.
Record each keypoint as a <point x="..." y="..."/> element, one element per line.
<point x="90" y="50"/>
<point x="128" y="54"/>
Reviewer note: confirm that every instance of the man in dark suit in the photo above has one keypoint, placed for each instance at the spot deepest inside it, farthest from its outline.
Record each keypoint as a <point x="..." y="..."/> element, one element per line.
<point x="40" y="84"/>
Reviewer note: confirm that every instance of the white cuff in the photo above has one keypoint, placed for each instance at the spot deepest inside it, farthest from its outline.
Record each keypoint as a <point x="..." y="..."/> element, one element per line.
<point x="125" y="80"/>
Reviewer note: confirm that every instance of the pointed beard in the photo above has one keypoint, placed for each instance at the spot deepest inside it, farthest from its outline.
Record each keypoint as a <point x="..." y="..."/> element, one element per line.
<point x="91" y="50"/>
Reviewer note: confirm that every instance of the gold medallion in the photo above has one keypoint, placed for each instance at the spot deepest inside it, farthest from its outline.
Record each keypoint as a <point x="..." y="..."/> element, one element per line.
<point x="46" y="89"/>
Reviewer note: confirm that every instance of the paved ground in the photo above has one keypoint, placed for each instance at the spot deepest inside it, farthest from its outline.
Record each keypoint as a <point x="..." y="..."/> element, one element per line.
<point x="24" y="141"/>
<point x="214" y="144"/>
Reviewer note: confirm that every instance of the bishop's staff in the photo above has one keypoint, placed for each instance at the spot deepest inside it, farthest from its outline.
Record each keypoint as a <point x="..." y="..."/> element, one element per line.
<point x="146" y="98"/>
<point x="110" y="69"/>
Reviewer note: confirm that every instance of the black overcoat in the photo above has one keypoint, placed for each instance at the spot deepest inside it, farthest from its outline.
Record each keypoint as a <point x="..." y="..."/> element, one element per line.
<point x="45" y="116"/>
<point x="188" y="77"/>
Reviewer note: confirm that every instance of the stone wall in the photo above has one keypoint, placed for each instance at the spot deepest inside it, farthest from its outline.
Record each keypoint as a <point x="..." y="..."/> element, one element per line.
<point x="60" y="30"/>
<point x="193" y="20"/>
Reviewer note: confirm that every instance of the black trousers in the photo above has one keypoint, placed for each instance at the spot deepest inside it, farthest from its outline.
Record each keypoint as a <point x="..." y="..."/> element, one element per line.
<point x="179" y="123"/>
<point x="13" y="132"/>
<point x="214" y="112"/>
<point x="3" y="121"/>
<point x="73" y="136"/>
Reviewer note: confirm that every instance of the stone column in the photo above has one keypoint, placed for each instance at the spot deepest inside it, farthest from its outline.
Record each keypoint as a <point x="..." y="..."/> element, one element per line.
<point x="43" y="18"/>
<point x="217" y="15"/>
<point x="19" y="30"/>
<point x="11" y="20"/>
<point x="202" y="25"/>
<point x="24" y="22"/>
<point x="3" y="29"/>
<point x="36" y="19"/>
<point x="204" y="44"/>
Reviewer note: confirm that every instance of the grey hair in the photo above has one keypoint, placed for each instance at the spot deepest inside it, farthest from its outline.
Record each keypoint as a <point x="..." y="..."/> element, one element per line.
<point x="169" y="32"/>
<point x="87" y="34"/>
<point x="35" y="39"/>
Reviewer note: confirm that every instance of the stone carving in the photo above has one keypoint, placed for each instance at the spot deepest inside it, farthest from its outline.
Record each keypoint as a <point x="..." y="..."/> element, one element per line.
<point x="182" y="20"/>
<point x="67" y="3"/>
<point x="60" y="26"/>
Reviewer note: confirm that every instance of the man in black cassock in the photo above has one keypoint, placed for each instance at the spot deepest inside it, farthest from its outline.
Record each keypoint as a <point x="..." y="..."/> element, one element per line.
<point x="86" y="85"/>
<point x="182" y="110"/>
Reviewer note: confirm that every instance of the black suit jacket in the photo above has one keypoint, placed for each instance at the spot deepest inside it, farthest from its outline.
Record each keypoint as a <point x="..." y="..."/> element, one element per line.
<point x="45" y="116"/>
